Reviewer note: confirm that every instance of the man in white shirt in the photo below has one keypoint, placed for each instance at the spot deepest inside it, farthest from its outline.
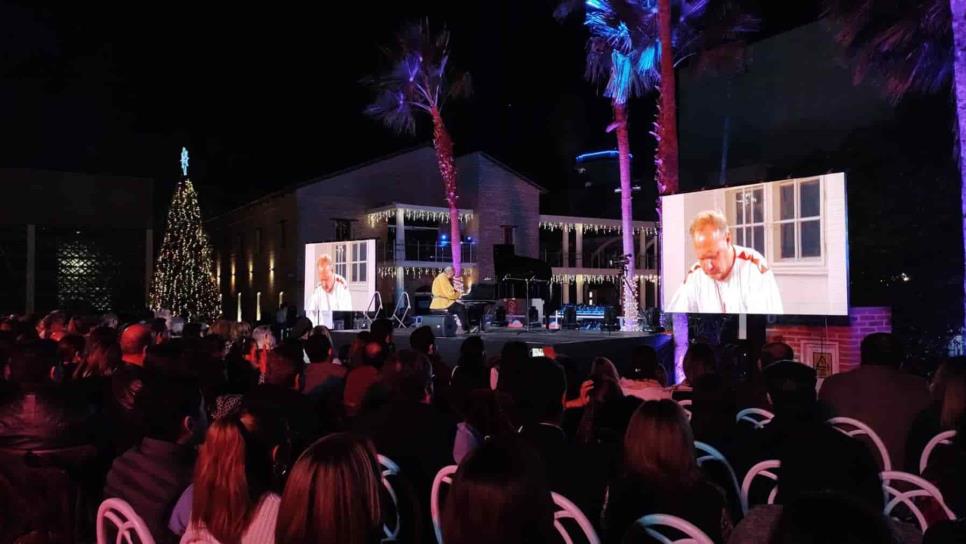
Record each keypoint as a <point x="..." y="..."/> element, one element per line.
<point x="332" y="293"/>
<point x="727" y="278"/>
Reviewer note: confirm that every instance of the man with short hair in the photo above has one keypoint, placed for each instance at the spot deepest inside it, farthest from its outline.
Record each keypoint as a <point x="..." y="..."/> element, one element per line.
<point x="332" y="292"/>
<point x="152" y="475"/>
<point x="752" y="392"/>
<point x="879" y="394"/>
<point x="727" y="278"/>
<point x="279" y="394"/>
<point x="322" y="373"/>
<point x="127" y="382"/>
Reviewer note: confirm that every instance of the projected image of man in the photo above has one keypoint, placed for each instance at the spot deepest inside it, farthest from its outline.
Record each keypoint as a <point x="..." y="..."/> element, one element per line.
<point x="332" y="292"/>
<point x="727" y="278"/>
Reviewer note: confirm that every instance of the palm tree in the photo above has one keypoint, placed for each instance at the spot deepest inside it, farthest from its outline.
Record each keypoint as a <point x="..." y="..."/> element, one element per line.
<point x="420" y="80"/>
<point x="911" y="46"/>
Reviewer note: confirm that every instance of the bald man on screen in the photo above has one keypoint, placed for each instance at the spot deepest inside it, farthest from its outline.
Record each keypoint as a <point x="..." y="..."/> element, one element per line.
<point x="727" y="278"/>
<point x="332" y="293"/>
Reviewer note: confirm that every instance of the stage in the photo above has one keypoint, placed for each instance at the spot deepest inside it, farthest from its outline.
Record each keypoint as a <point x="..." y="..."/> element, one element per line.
<point x="581" y="346"/>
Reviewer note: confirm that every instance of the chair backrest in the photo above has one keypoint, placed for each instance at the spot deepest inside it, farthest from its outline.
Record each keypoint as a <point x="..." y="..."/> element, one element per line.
<point x="443" y="478"/>
<point x="902" y="488"/>
<point x="685" y="405"/>
<point x="127" y="523"/>
<point x="568" y="510"/>
<point x="765" y="469"/>
<point x="707" y="453"/>
<point x="758" y="417"/>
<point x="389" y="468"/>
<point x="654" y="522"/>
<point x="943" y="438"/>
<point x="855" y="428"/>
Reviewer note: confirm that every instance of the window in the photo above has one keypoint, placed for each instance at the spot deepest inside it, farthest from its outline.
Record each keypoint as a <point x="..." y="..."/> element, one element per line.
<point x="281" y="234"/>
<point x="748" y="217"/>
<point x="358" y="262"/>
<point x="799" y="220"/>
<point x="343" y="229"/>
<point x="340" y="266"/>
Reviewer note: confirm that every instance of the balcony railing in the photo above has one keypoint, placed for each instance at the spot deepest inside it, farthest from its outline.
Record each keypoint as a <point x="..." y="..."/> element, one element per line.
<point x="605" y="260"/>
<point x="426" y="252"/>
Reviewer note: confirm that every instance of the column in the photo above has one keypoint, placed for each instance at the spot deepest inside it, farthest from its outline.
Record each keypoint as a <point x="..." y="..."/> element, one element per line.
<point x="31" y="273"/>
<point x="565" y="291"/>
<point x="400" y="253"/>
<point x="580" y="288"/>
<point x="579" y="248"/>
<point x="149" y="263"/>
<point x="566" y="247"/>
<point x="641" y="269"/>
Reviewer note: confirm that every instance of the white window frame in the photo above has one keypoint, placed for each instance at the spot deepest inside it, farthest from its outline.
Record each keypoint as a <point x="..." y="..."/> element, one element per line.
<point x="750" y="226"/>
<point x="354" y="263"/>
<point x="797" y="220"/>
<point x="340" y="260"/>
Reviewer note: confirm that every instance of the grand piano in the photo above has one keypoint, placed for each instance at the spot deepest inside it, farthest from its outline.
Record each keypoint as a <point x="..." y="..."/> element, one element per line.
<point x="516" y="277"/>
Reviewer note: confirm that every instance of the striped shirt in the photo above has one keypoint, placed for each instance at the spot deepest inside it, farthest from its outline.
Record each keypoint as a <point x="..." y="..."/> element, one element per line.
<point x="261" y="530"/>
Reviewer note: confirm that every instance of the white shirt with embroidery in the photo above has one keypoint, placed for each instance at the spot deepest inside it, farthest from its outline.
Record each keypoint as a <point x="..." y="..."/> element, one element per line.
<point x="750" y="288"/>
<point x="338" y="300"/>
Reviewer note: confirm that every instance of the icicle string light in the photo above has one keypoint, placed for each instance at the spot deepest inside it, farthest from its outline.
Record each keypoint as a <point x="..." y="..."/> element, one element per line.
<point x="594" y="227"/>
<point x="440" y="215"/>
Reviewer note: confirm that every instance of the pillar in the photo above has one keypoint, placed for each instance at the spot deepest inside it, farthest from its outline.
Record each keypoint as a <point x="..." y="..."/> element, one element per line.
<point x="399" y="255"/>
<point x="565" y="291"/>
<point x="642" y="261"/>
<point x="579" y="248"/>
<point x="565" y="262"/>
<point x="580" y="288"/>
<point x="149" y="264"/>
<point x="31" y="272"/>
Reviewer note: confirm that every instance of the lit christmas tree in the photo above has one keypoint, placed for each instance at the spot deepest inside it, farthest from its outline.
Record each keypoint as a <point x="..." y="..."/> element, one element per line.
<point x="183" y="275"/>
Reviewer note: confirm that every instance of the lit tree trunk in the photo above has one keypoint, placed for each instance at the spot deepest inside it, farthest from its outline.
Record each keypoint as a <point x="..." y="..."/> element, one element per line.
<point x="667" y="155"/>
<point x="447" y="169"/>
<point x="958" y="10"/>
<point x="627" y="216"/>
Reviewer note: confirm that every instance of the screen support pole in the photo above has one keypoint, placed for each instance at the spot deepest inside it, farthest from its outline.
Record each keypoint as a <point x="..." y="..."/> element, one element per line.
<point x="742" y="326"/>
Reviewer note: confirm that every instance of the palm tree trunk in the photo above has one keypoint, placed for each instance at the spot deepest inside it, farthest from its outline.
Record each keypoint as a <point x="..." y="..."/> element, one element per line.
<point x="627" y="216"/>
<point x="447" y="169"/>
<point x="958" y="10"/>
<point x="667" y="156"/>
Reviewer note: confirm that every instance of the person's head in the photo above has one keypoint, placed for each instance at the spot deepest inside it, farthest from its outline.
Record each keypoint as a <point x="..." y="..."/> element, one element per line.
<point x="134" y="341"/>
<point x="71" y="348"/>
<point x="499" y="494"/>
<point x="31" y="362"/>
<point x="514" y="357"/>
<point x="166" y="358"/>
<point x="542" y="392"/>
<point x="829" y="518"/>
<point x="644" y="365"/>
<point x="698" y="361"/>
<point x="791" y="388"/>
<point x="597" y="417"/>
<point x="659" y="446"/>
<point x="423" y="340"/>
<point x="102" y="354"/>
<point x="235" y="467"/>
<point x="302" y="328"/>
<point x="773" y="352"/>
<point x="472" y="353"/>
<point x="949" y="391"/>
<point x="325" y="272"/>
<point x="263" y="337"/>
<point x="176" y="326"/>
<point x="711" y="240"/>
<point x="603" y="368"/>
<point x="381" y="330"/>
<point x="159" y="330"/>
<point x="171" y="408"/>
<point x="357" y="350"/>
<point x="109" y="320"/>
<point x="483" y="410"/>
<point x="881" y="349"/>
<point x="191" y="330"/>
<point x="450" y="273"/>
<point x="332" y="494"/>
<point x="318" y="349"/>
<point x="282" y="370"/>
<point x="408" y="376"/>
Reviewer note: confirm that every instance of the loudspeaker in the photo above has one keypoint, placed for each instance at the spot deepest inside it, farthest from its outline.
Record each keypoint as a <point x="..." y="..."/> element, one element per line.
<point x="610" y="319"/>
<point x="443" y="325"/>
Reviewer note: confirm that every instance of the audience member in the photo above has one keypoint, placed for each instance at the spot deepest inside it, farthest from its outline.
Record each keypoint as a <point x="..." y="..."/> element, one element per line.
<point x="698" y="361"/>
<point x="947" y="469"/>
<point x="322" y="373"/>
<point x="946" y="532"/>
<point x="244" y="366"/>
<point x="499" y="494"/>
<point x="424" y="341"/>
<point x="381" y="331"/>
<point x="713" y="411"/>
<point x="470" y="373"/>
<point x="151" y="476"/>
<point x="830" y="519"/>
<point x="71" y="352"/>
<point x="948" y="392"/>
<point x="232" y="497"/>
<point x="279" y="397"/>
<point x="361" y="378"/>
<point x="661" y="475"/>
<point x="483" y="419"/>
<point x="879" y="394"/>
<point x="356" y="355"/>
<point x="752" y="393"/>
<point x="159" y="330"/>
<point x="332" y="494"/>
<point x="643" y="378"/>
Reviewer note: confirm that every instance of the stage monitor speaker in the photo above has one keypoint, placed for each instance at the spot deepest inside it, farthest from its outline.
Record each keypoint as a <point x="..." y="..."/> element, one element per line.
<point x="610" y="319"/>
<point x="443" y="325"/>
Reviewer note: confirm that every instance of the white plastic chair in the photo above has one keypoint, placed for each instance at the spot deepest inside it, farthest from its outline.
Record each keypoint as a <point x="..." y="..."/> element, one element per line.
<point x="709" y="453"/>
<point x="944" y="438"/>
<point x="765" y="469"/>
<point x="390" y="468"/>
<point x="568" y="510"/>
<point x="685" y="405"/>
<point x="443" y="477"/>
<point x="126" y="521"/>
<point x="918" y="487"/>
<point x="653" y="522"/>
<point x="758" y="417"/>
<point x="854" y="428"/>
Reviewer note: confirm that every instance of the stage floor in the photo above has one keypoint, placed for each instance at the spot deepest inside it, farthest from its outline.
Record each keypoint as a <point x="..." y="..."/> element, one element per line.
<point x="579" y="345"/>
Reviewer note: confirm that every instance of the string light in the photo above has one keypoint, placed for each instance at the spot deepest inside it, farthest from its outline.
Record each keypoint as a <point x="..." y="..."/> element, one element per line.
<point x="600" y="278"/>
<point x="594" y="228"/>
<point x="418" y="272"/>
<point x="185" y="281"/>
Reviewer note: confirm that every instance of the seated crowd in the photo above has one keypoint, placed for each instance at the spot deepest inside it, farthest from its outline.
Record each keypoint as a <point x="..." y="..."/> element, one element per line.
<point x="229" y="434"/>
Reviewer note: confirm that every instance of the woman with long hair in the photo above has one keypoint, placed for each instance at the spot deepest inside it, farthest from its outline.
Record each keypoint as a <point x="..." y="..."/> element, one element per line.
<point x="499" y="494"/>
<point x="469" y="374"/>
<point x="948" y="391"/>
<point x="661" y="475"/>
<point x="483" y="418"/>
<point x="232" y="494"/>
<point x="102" y="355"/>
<point x="332" y="494"/>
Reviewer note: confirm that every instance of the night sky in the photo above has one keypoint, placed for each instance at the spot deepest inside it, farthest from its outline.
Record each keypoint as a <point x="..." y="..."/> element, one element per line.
<point x="266" y="96"/>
